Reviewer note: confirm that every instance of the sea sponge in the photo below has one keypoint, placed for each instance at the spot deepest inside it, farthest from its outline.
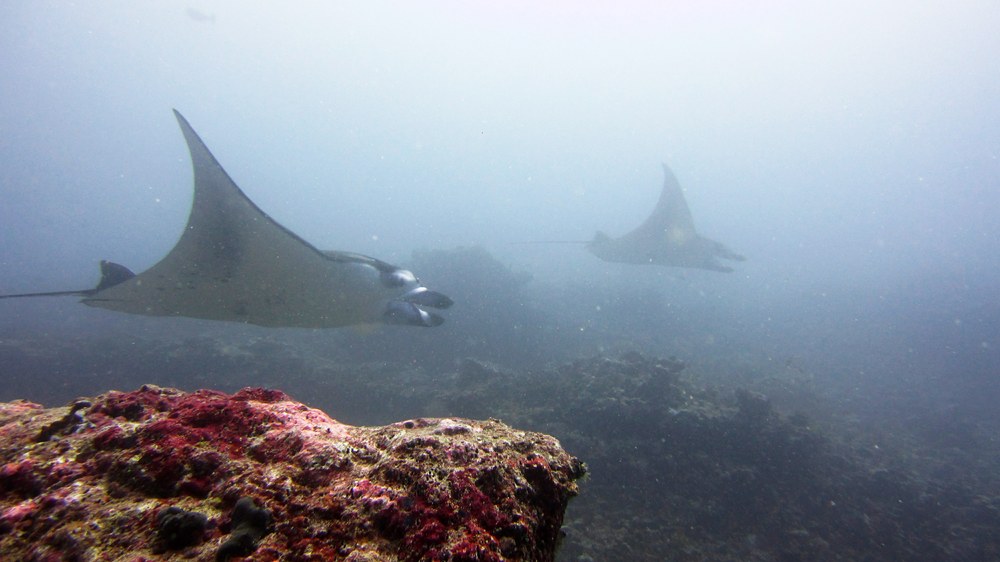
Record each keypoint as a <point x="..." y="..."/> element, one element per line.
<point x="177" y="528"/>
<point x="249" y="523"/>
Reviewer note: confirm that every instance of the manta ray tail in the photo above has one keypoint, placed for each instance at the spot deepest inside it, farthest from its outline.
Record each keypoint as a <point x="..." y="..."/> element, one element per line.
<point x="111" y="275"/>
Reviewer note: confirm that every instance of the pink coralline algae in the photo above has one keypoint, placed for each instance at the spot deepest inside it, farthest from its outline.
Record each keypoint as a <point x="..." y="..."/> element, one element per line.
<point x="160" y="474"/>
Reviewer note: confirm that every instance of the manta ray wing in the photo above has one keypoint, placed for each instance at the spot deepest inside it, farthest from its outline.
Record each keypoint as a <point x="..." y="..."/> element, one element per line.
<point x="668" y="237"/>
<point x="233" y="262"/>
<point x="671" y="218"/>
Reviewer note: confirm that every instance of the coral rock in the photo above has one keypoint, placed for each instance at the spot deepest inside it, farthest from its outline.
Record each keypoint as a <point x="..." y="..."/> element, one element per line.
<point x="158" y="472"/>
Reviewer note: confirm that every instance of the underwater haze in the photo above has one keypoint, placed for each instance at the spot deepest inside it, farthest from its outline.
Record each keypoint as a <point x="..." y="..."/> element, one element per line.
<point x="850" y="150"/>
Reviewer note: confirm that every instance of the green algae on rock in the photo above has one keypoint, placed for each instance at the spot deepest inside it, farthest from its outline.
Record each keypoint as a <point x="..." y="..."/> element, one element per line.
<point x="102" y="487"/>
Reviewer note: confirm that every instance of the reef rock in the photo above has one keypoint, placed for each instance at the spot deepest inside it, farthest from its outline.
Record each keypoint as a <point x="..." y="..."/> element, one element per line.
<point x="163" y="474"/>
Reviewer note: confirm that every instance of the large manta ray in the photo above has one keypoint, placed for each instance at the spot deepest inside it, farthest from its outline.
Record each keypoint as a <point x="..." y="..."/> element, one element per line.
<point x="233" y="262"/>
<point x="667" y="237"/>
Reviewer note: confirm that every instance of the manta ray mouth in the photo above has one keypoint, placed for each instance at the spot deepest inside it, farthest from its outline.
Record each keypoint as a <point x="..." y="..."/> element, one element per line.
<point x="425" y="297"/>
<point x="407" y="311"/>
<point x="408" y="314"/>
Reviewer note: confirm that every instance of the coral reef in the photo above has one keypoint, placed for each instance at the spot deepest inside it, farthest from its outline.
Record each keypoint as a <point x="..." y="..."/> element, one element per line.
<point x="679" y="471"/>
<point x="136" y="476"/>
<point x="680" y="467"/>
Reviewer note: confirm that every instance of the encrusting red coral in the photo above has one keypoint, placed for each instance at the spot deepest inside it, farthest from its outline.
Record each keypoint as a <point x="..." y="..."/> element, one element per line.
<point x="94" y="481"/>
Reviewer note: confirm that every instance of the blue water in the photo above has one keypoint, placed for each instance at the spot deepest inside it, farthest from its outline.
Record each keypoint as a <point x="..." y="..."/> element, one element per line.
<point x="849" y="150"/>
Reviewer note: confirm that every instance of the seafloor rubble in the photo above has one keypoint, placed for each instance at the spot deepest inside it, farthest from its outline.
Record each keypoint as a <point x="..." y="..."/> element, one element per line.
<point x="162" y="474"/>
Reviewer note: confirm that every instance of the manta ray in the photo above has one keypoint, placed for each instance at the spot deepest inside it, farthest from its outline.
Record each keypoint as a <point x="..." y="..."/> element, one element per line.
<point x="666" y="238"/>
<point x="235" y="263"/>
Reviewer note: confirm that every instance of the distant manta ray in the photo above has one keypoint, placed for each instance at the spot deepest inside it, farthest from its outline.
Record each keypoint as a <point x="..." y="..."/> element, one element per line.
<point x="666" y="238"/>
<point x="235" y="263"/>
